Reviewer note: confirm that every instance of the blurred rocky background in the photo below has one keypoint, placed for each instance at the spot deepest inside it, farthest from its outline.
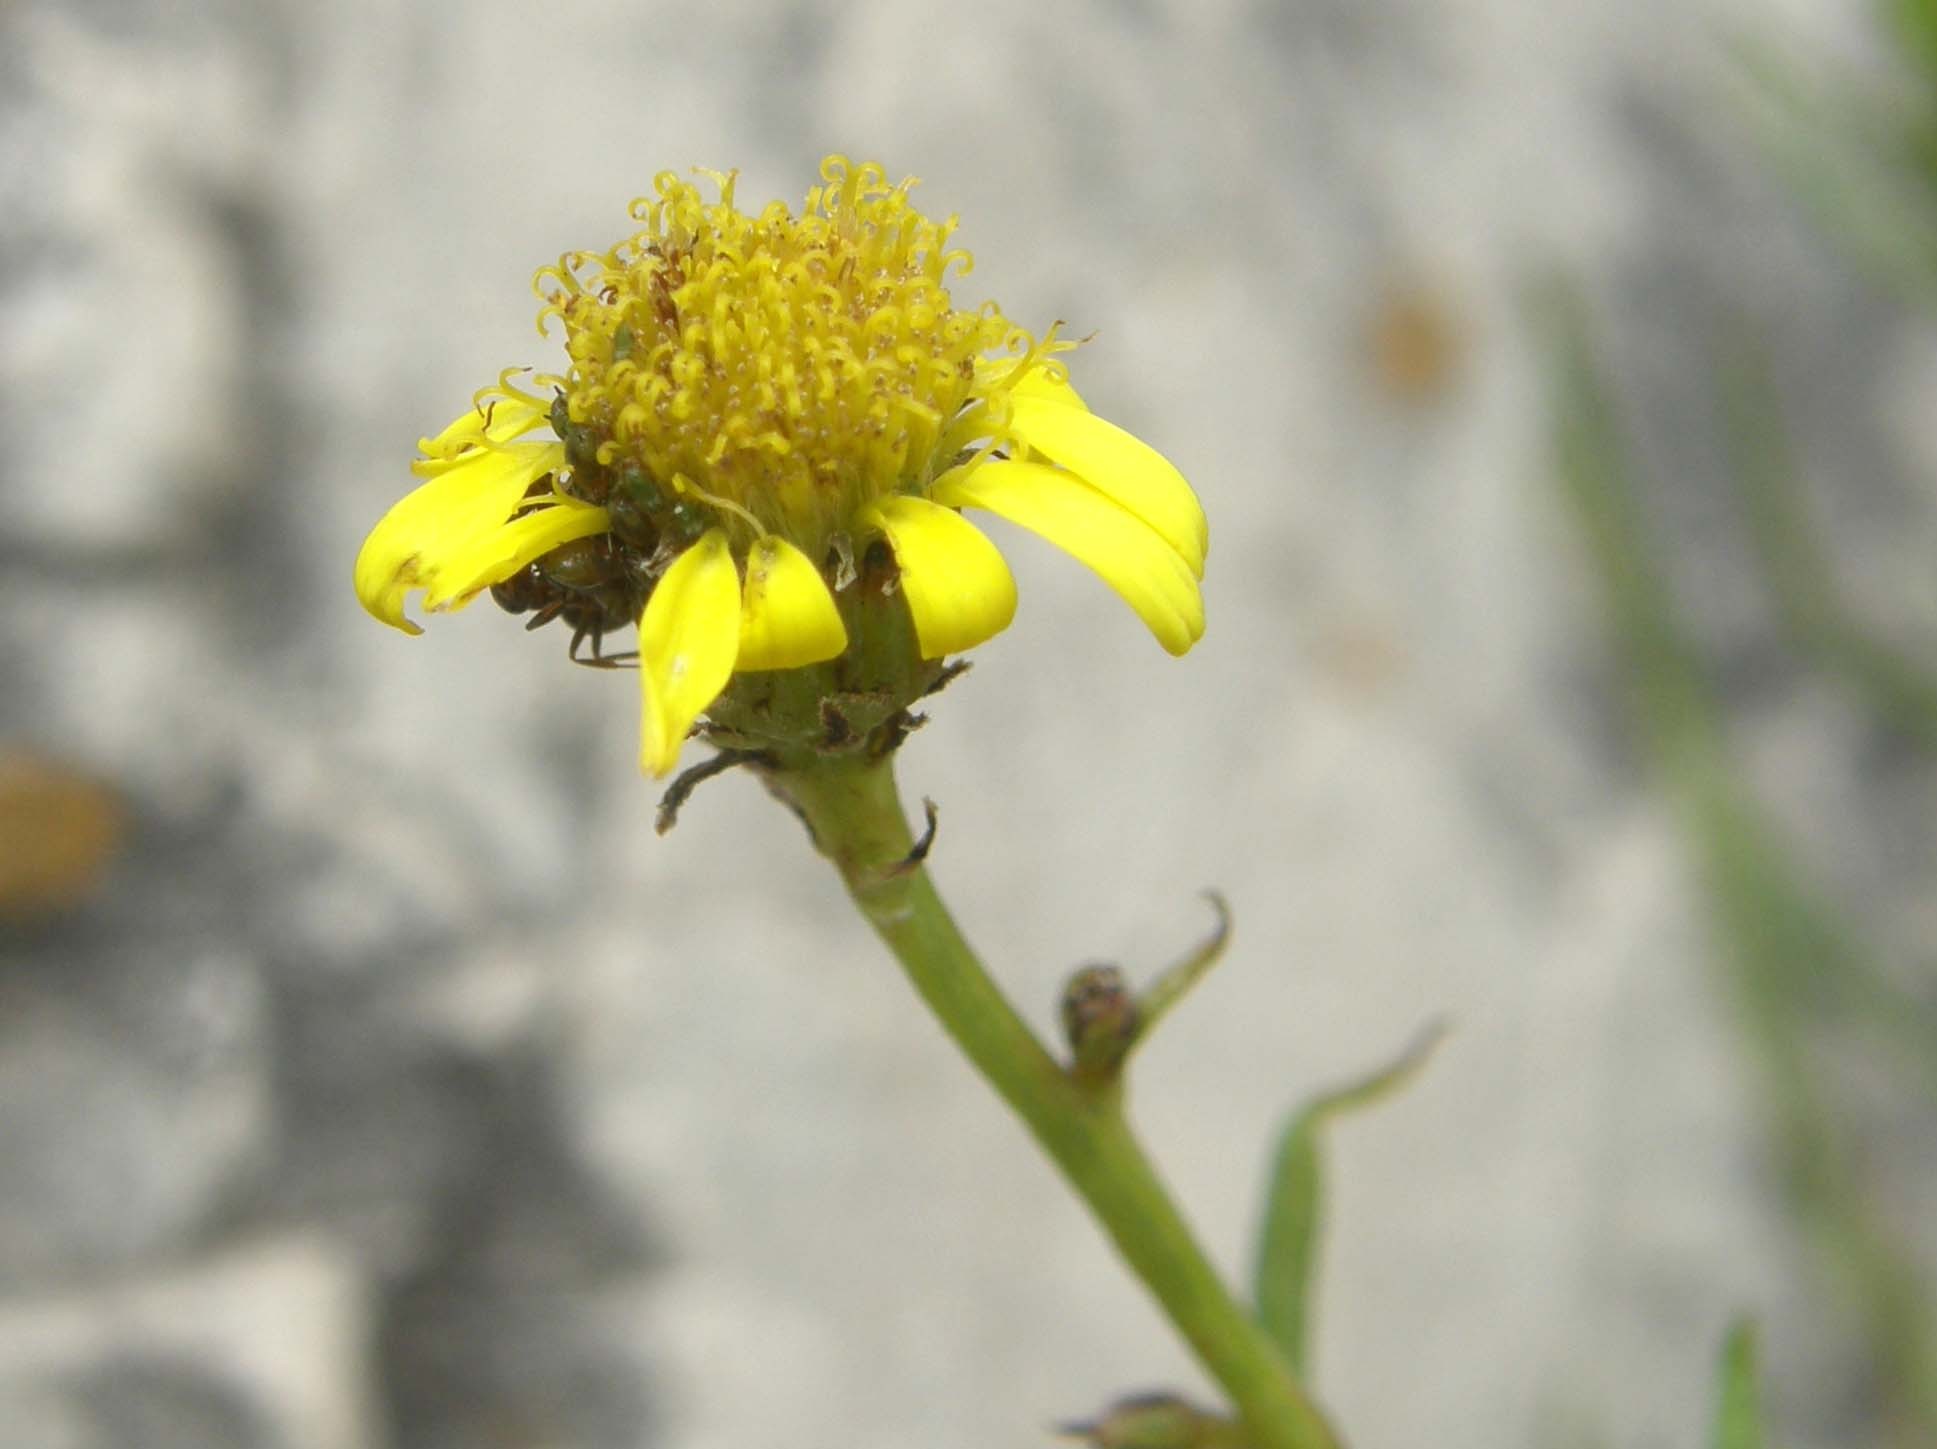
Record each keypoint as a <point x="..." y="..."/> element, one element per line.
<point x="372" y="1077"/>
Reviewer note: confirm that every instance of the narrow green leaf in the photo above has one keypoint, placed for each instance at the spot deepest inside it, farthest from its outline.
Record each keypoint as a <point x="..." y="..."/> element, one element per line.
<point x="1175" y="983"/>
<point x="1738" y="1406"/>
<point x="1294" y="1205"/>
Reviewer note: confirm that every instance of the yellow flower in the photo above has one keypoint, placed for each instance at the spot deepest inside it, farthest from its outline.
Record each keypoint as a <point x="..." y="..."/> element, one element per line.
<point x="751" y="403"/>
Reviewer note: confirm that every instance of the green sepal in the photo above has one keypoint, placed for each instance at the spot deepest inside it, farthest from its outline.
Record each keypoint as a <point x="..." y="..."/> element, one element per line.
<point x="855" y="706"/>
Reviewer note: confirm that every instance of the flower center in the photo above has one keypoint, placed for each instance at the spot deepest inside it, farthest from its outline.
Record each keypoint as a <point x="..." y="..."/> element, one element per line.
<point x="772" y="373"/>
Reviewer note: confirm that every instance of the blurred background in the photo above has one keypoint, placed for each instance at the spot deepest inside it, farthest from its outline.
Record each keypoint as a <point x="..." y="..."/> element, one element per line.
<point x="1557" y="375"/>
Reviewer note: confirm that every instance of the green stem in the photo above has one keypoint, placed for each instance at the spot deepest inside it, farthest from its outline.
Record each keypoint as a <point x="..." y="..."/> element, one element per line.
<point x="856" y="818"/>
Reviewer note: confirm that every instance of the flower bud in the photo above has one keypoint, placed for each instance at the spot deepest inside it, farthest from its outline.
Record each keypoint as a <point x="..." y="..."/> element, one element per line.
<point x="1157" y="1421"/>
<point x="1099" y="1019"/>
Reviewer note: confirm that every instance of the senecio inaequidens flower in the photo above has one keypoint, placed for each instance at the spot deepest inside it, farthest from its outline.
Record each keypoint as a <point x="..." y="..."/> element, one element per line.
<point x="762" y="419"/>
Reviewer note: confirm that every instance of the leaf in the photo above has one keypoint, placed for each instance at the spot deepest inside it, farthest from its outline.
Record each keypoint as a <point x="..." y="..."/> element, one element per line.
<point x="1738" y="1407"/>
<point x="1294" y="1206"/>
<point x="1171" y="987"/>
<point x="1914" y="23"/>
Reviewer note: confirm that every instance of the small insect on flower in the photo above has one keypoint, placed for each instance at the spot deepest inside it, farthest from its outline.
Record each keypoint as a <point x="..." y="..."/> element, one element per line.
<point x="750" y="403"/>
<point x="589" y="584"/>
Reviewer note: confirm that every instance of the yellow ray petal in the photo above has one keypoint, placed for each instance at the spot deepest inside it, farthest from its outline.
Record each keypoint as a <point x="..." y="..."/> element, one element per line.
<point x="1145" y="571"/>
<point x="787" y="616"/>
<point x="992" y="377"/>
<point x="496" y="556"/>
<point x="442" y="521"/>
<point x="688" y="637"/>
<point x="505" y="417"/>
<point x="958" y="588"/>
<point x="1038" y="381"/>
<point x="1117" y="463"/>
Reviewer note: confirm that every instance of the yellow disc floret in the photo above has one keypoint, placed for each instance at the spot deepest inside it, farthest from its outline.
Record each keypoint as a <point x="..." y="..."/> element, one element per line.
<point x="785" y="371"/>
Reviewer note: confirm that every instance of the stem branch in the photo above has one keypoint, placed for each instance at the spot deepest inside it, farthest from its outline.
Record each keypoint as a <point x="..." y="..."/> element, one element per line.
<point x="856" y="818"/>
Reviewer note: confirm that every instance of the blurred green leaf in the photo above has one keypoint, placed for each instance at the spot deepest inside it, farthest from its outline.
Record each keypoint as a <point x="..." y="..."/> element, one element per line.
<point x="1862" y="160"/>
<point x="1781" y="943"/>
<point x="1738" y="1403"/>
<point x="1294" y="1206"/>
<point x="1914" y="23"/>
<point x="1798" y="568"/>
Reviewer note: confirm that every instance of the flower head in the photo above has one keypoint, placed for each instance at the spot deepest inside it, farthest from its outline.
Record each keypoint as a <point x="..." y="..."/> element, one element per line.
<point x="760" y="448"/>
